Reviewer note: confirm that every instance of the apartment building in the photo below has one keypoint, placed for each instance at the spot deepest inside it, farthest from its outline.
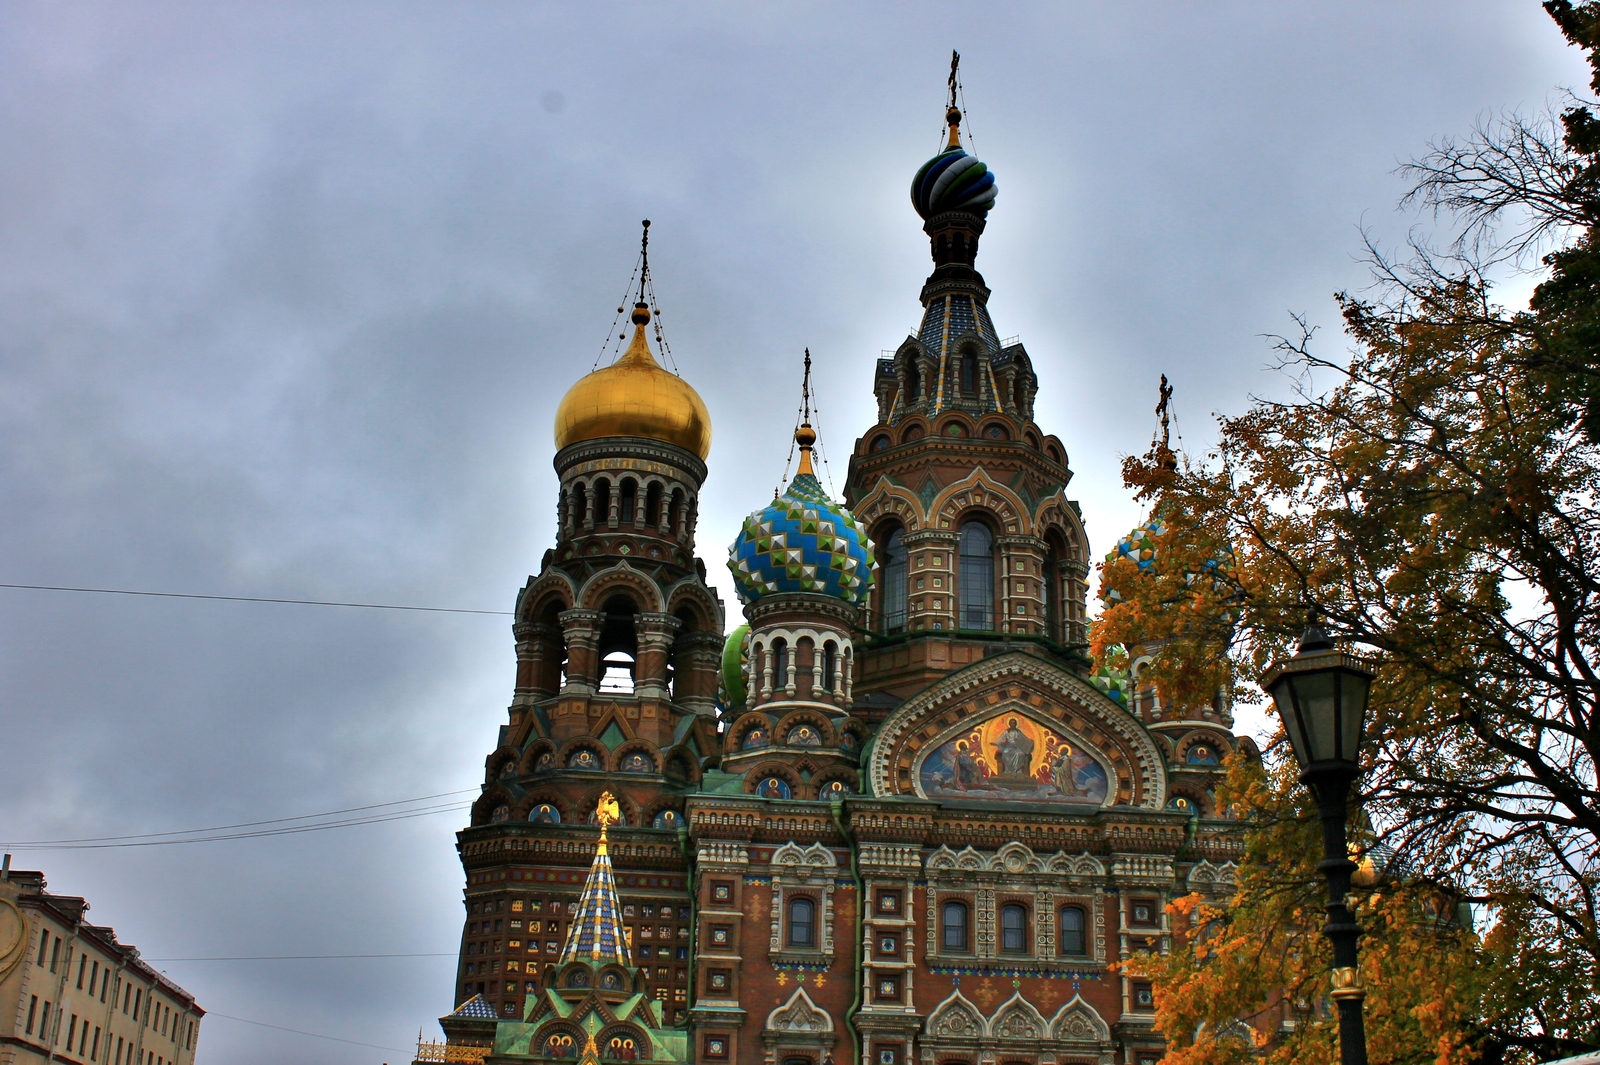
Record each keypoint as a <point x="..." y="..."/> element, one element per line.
<point x="70" y="993"/>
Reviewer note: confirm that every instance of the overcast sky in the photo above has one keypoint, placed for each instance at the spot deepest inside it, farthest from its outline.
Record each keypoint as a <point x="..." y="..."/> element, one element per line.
<point x="289" y="293"/>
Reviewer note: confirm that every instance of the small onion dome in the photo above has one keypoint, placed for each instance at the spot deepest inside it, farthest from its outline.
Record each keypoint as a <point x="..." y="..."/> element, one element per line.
<point x="1114" y="682"/>
<point x="802" y="542"/>
<point x="953" y="180"/>
<point x="1140" y="545"/>
<point x="735" y="660"/>
<point x="634" y="396"/>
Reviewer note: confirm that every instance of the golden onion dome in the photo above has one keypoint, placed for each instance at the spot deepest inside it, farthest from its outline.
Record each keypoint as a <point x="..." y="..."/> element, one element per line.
<point x="634" y="396"/>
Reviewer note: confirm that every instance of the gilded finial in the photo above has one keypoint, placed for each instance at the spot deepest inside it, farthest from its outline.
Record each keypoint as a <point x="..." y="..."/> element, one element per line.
<point x="607" y="813"/>
<point x="806" y="436"/>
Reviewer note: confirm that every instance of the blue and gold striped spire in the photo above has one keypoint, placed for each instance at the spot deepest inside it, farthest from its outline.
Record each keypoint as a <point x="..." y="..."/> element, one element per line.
<point x="596" y="932"/>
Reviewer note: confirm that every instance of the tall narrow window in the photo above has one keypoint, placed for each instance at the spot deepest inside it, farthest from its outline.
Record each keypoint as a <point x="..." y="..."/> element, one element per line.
<point x="802" y="923"/>
<point x="969" y="374"/>
<point x="630" y="499"/>
<point x="780" y="664"/>
<point x="1013" y="929"/>
<point x="1072" y="938"/>
<point x="977" y="577"/>
<point x="913" y="382"/>
<point x="953" y="928"/>
<point x="1050" y="584"/>
<point x="830" y="664"/>
<point x="894" y="583"/>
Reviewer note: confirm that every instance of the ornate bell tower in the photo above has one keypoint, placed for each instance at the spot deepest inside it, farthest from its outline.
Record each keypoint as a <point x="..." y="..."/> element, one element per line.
<point x="961" y="490"/>
<point x="618" y="644"/>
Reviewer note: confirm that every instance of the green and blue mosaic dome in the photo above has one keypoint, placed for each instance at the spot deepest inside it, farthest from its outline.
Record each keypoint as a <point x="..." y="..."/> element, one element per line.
<point x="953" y="181"/>
<point x="801" y="542"/>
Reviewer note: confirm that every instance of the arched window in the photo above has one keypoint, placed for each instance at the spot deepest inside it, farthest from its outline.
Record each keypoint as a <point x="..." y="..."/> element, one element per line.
<point x="977" y="577"/>
<point x="953" y="927"/>
<point x="780" y="664"/>
<point x="894" y="583"/>
<point x="913" y="381"/>
<point x="830" y="664"/>
<point x="1073" y="942"/>
<point x="630" y="499"/>
<point x="802" y="922"/>
<point x="602" y="502"/>
<point x="652" y="505"/>
<point x="1050" y="584"/>
<point x="1013" y="929"/>
<point x="969" y="374"/>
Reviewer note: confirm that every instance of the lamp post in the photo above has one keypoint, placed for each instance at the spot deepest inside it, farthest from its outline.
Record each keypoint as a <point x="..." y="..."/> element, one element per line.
<point x="1321" y="695"/>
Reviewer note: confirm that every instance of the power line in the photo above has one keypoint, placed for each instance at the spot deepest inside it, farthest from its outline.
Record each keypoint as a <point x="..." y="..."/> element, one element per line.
<point x="307" y="957"/>
<point x="252" y="830"/>
<point x="298" y="1031"/>
<point x="253" y="824"/>
<point x="255" y="599"/>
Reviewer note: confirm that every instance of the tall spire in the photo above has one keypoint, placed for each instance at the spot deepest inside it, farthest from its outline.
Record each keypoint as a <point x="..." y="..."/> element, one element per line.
<point x="596" y="932"/>
<point x="805" y="436"/>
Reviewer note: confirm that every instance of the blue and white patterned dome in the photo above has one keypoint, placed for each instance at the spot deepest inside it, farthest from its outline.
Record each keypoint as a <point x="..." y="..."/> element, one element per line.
<point x="802" y="542"/>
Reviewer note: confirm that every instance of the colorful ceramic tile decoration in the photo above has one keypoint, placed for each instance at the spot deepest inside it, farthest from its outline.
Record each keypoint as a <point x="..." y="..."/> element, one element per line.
<point x="801" y="542"/>
<point x="544" y="814"/>
<point x="666" y="819"/>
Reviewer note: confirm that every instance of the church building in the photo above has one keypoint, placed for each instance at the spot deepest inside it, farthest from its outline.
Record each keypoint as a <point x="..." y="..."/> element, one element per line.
<point x="891" y="817"/>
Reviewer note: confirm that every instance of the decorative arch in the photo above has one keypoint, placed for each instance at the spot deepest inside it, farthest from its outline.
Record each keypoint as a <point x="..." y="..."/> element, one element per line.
<point x="1017" y="1021"/>
<point x="733" y="742"/>
<point x="551" y="589"/>
<point x="806" y="716"/>
<point x="621" y="578"/>
<point x="1079" y="1022"/>
<point x="981" y="494"/>
<point x="484" y="806"/>
<point x="690" y="596"/>
<point x="619" y="757"/>
<point x="799" y="1014"/>
<point x="1017" y="683"/>
<point x="530" y="757"/>
<point x="565" y="752"/>
<point x="957" y="1018"/>
<point x="888" y="501"/>
<point x="758" y="775"/>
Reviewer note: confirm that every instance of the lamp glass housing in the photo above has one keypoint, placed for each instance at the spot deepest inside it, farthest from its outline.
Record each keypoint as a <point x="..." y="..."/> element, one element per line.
<point x="1321" y="695"/>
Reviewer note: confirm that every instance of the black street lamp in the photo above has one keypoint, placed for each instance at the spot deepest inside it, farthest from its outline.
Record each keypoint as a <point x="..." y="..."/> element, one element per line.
<point x="1322" y="697"/>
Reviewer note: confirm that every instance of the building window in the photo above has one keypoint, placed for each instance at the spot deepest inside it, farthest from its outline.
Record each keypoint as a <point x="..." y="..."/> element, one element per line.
<point x="830" y="664"/>
<point x="894" y="583"/>
<point x="1072" y="938"/>
<point x="954" y="934"/>
<point x="977" y="577"/>
<point x="969" y="374"/>
<point x="780" y="664"/>
<point x="1142" y="911"/>
<point x="1013" y="929"/>
<point x="1144" y="996"/>
<point x="802" y="923"/>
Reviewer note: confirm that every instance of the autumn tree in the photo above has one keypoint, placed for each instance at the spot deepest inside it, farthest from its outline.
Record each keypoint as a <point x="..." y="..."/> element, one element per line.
<point x="1434" y="495"/>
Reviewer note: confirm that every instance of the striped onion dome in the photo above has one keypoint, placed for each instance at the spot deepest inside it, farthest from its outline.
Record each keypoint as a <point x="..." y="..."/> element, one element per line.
<point x="953" y="180"/>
